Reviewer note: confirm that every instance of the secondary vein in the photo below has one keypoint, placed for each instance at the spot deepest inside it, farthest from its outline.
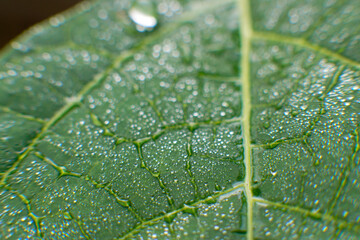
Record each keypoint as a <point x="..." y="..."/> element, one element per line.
<point x="301" y="42"/>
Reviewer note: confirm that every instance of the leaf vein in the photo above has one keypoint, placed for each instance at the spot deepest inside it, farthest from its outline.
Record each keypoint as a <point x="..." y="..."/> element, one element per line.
<point x="133" y="231"/>
<point x="246" y="36"/>
<point x="305" y="44"/>
<point x="342" y="223"/>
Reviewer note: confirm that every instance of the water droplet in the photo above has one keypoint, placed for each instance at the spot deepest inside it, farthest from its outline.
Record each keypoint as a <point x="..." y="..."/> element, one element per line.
<point x="67" y="216"/>
<point x="266" y="125"/>
<point x="143" y="14"/>
<point x="294" y="113"/>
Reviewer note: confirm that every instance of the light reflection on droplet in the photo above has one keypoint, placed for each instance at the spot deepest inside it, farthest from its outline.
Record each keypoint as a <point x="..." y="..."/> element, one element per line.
<point x="144" y="21"/>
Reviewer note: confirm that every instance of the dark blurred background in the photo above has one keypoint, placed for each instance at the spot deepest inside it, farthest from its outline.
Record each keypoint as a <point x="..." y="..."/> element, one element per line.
<point x="18" y="15"/>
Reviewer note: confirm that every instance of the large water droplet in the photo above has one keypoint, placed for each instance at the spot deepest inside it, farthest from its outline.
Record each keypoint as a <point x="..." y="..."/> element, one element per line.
<point x="143" y="14"/>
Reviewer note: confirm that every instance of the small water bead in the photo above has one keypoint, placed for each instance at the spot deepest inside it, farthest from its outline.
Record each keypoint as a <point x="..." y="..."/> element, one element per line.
<point x="11" y="73"/>
<point x="169" y="9"/>
<point x="57" y="21"/>
<point x="102" y="14"/>
<point x="19" y="46"/>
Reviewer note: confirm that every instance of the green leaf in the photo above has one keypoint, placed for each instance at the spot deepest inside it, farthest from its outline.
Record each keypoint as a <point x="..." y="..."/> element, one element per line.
<point x="207" y="120"/>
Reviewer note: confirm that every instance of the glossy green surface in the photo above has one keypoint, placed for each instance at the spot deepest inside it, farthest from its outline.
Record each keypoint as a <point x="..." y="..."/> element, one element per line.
<point x="226" y="120"/>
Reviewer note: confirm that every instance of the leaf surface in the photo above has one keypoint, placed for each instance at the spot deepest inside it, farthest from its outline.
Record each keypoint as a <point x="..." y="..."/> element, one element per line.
<point x="228" y="120"/>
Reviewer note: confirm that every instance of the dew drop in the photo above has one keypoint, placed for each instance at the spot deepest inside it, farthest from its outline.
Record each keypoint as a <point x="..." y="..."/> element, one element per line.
<point x="67" y="216"/>
<point x="294" y="113"/>
<point x="143" y="14"/>
<point x="266" y="125"/>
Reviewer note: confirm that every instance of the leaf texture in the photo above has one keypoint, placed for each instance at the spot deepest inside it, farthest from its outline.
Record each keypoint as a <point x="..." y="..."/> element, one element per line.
<point x="228" y="120"/>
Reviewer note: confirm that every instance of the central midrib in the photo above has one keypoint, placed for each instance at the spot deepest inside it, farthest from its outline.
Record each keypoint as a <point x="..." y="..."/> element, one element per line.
<point x="245" y="35"/>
